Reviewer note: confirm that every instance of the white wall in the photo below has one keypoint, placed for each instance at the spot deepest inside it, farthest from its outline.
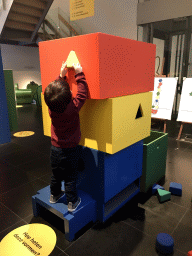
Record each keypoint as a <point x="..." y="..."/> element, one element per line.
<point x="20" y="58"/>
<point x="24" y="61"/>
<point x="111" y="17"/>
<point x="23" y="78"/>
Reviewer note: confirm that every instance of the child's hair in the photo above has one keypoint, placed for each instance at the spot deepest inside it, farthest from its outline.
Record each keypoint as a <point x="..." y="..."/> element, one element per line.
<point x="57" y="95"/>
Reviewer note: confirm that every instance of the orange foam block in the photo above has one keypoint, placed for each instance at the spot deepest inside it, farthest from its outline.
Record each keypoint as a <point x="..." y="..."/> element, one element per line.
<point x="113" y="66"/>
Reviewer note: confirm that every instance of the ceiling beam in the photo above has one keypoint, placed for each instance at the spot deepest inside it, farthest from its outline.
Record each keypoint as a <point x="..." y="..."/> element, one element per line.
<point x="15" y="42"/>
<point x="19" y="25"/>
<point x="32" y="3"/>
<point x="20" y="9"/>
<point x="49" y="3"/>
<point x="23" y="18"/>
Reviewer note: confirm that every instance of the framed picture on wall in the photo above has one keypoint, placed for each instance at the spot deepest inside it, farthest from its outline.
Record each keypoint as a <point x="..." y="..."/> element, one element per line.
<point x="185" y="107"/>
<point x="163" y="97"/>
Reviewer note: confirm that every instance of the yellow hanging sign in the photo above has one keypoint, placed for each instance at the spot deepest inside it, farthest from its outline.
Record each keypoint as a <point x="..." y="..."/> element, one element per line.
<point x="80" y="9"/>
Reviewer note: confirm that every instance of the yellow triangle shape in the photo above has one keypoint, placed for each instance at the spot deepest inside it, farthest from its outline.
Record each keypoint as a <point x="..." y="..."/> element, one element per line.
<point x="72" y="58"/>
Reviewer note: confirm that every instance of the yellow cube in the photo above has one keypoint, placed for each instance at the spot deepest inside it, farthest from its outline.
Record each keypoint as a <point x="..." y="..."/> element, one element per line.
<point x="110" y="125"/>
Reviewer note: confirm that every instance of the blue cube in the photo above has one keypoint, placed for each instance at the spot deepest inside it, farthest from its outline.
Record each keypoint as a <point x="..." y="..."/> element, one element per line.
<point x="111" y="179"/>
<point x="175" y="188"/>
<point x="155" y="187"/>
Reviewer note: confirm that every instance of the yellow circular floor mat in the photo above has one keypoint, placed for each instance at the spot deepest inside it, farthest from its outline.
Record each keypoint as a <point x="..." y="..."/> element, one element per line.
<point x="32" y="239"/>
<point x="23" y="134"/>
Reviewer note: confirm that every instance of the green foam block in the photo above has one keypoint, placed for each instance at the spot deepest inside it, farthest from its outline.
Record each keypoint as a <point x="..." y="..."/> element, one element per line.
<point x="163" y="195"/>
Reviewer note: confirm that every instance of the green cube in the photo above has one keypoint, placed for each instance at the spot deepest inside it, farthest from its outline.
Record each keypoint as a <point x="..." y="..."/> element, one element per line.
<point x="154" y="159"/>
<point x="11" y="104"/>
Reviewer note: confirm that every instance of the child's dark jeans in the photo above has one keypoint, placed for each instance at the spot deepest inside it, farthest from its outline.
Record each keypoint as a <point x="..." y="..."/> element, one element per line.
<point x="64" y="164"/>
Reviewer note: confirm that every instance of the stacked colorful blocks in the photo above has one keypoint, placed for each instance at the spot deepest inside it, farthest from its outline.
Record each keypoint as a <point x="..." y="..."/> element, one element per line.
<point x="117" y="94"/>
<point x="115" y="118"/>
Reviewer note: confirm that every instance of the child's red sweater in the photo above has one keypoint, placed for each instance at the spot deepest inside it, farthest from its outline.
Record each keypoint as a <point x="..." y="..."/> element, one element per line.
<point x="65" y="127"/>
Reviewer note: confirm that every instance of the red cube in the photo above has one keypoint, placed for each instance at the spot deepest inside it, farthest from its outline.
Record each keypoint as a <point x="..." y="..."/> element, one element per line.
<point x="114" y="66"/>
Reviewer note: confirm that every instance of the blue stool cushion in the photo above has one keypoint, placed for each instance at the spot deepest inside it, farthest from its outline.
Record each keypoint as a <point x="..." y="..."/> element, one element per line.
<point x="164" y="243"/>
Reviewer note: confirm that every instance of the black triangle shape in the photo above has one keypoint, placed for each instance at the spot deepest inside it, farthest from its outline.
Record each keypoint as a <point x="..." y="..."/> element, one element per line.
<point x="139" y="112"/>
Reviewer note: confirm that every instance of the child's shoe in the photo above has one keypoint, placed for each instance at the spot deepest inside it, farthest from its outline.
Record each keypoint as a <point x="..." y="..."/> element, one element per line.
<point x="73" y="207"/>
<point x="54" y="199"/>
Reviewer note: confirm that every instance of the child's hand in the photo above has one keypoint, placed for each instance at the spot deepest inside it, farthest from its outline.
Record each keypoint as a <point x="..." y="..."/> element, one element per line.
<point x="64" y="69"/>
<point x="78" y="68"/>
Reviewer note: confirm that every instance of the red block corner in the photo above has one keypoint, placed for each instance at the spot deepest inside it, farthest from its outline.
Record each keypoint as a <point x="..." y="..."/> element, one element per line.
<point x="113" y="66"/>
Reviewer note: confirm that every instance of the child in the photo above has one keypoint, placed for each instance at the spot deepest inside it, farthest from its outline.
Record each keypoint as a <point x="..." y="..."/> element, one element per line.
<point x="65" y="134"/>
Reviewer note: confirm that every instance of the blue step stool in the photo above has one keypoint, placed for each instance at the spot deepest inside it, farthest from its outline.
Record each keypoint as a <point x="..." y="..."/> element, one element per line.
<point x="164" y="243"/>
<point x="175" y="188"/>
<point x="73" y="222"/>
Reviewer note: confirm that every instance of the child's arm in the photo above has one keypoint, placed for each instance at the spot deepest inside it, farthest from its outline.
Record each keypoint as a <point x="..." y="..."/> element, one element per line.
<point x="63" y="71"/>
<point x="82" y="89"/>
